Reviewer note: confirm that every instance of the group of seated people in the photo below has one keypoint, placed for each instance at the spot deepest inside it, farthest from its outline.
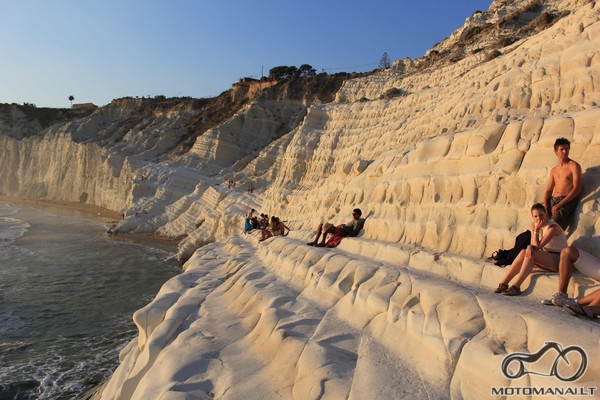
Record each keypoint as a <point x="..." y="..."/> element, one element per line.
<point x="253" y="222"/>
<point x="268" y="228"/>
<point x="276" y="227"/>
<point x="549" y="249"/>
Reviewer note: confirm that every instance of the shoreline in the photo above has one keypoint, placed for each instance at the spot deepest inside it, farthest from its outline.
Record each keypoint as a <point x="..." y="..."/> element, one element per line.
<point x="147" y="239"/>
<point x="103" y="219"/>
<point x="97" y="213"/>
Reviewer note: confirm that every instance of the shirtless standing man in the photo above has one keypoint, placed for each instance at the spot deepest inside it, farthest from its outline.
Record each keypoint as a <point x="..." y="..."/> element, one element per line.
<point x="564" y="185"/>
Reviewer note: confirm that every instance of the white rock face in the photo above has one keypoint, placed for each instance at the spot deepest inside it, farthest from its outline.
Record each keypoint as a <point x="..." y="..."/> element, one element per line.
<point x="249" y="130"/>
<point x="445" y="163"/>
<point x="57" y="168"/>
<point x="284" y="320"/>
<point x="447" y="172"/>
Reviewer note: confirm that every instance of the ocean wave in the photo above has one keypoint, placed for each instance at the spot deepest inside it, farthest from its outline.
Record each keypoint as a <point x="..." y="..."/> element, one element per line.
<point x="10" y="322"/>
<point x="11" y="229"/>
<point x="7" y="209"/>
<point x="58" y="374"/>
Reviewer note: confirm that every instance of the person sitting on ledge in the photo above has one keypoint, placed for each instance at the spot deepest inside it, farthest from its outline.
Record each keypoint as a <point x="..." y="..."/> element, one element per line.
<point x="275" y="228"/>
<point x="547" y="241"/>
<point x="571" y="257"/>
<point x="264" y="221"/>
<point x="248" y="221"/>
<point x="350" y="229"/>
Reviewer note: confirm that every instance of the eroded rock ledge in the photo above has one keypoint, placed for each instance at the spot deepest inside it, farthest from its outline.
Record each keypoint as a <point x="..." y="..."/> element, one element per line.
<point x="447" y="172"/>
<point x="285" y="320"/>
<point x="445" y="159"/>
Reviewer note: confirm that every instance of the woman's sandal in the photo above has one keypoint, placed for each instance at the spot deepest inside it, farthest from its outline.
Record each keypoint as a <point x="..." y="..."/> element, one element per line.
<point x="578" y="311"/>
<point x="503" y="287"/>
<point x="512" y="291"/>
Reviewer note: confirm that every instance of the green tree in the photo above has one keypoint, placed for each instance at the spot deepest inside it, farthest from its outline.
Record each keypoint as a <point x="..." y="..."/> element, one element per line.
<point x="277" y="73"/>
<point x="283" y="72"/>
<point x="306" y="71"/>
<point x="384" y="61"/>
<point x="292" y="72"/>
<point x="71" y="98"/>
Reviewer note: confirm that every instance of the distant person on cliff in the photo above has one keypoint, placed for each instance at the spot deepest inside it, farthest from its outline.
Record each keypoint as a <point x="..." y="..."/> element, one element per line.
<point x="571" y="257"/>
<point x="275" y="228"/>
<point x="350" y="229"/>
<point x="547" y="241"/>
<point x="264" y="221"/>
<point x="248" y="221"/>
<point x="564" y="185"/>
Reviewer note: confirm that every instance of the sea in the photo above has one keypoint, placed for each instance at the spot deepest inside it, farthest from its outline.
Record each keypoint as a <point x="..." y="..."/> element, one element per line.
<point x="67" y="295"/>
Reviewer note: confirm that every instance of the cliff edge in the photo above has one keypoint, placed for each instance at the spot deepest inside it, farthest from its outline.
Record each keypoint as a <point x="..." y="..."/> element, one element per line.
<point x="444" y="154"/>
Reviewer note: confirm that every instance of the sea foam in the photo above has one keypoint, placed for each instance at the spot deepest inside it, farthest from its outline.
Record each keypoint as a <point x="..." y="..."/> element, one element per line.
<point x="11" y="229"/>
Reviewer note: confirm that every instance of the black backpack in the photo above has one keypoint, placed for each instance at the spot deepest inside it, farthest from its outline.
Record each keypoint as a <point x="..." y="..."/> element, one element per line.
<point x="505" y="257"/>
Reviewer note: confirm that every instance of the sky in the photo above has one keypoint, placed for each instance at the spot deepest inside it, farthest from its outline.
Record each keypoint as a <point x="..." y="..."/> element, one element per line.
<point x="99" y="50"/>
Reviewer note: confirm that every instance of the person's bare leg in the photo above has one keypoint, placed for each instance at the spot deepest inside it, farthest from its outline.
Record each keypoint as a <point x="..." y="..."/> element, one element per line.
<point x="324" y="239"/>
<point x="333" y="230"/>
<point x="592" y="299"/>
<point x="588" y="306"/>
<point x="526" y="267"/>
<point x="533" y="257"/>
<point x="265" y="235"/>
<point x="565" y="270"/>
<point x="514" y="268"/>
<point x="316" y="239"/>
<point x="593" y="310"/>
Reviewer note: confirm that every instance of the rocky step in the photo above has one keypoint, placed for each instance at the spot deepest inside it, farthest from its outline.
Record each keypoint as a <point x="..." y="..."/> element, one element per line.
<point x="284" y="319"/>
<point x="423" y="317"/>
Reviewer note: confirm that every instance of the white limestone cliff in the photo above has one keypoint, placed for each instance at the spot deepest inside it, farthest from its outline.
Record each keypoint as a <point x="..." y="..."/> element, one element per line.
<point x="445" y="160"/>
<point x="447" y="171"/>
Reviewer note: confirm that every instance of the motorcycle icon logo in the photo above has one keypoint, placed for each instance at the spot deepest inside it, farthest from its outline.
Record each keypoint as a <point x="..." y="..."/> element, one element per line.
<point x="520" y="359"/>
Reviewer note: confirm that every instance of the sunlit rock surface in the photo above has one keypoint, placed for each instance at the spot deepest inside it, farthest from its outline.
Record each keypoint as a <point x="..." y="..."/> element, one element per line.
<point x="445" y="159"/>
